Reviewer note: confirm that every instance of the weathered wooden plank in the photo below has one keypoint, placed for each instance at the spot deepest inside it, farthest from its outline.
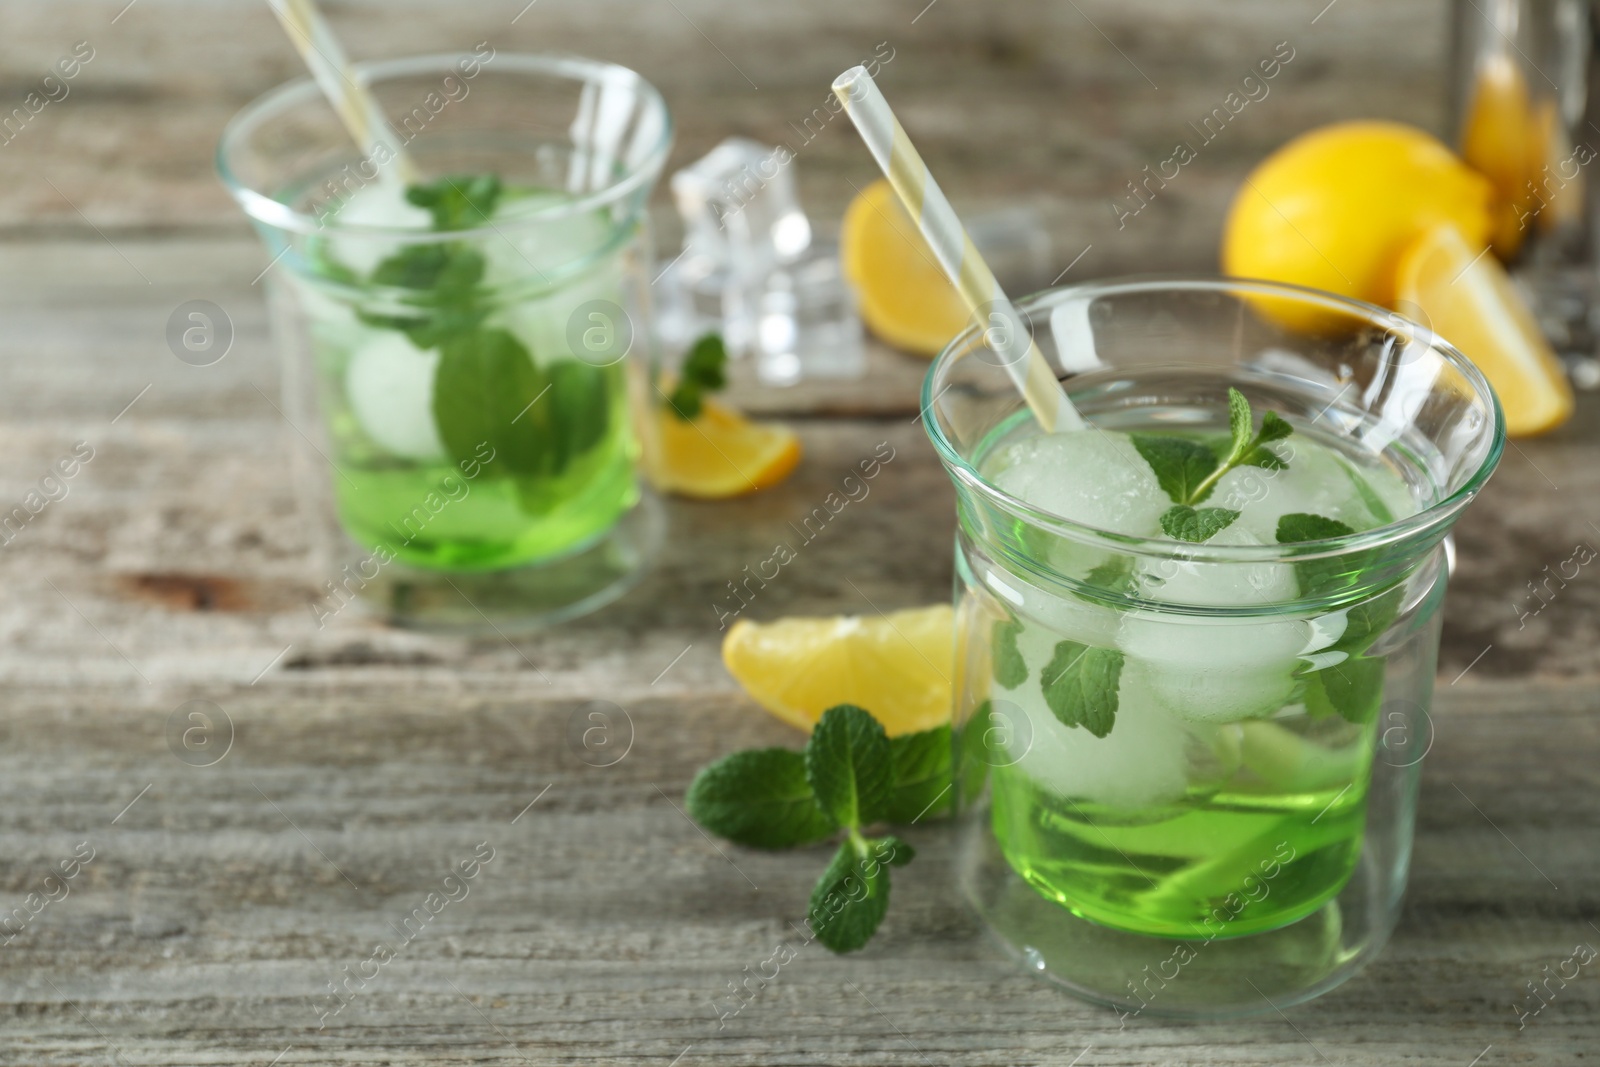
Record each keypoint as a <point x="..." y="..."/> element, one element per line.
<point x="217" y="906"/>
<point x="1058" y="105"/>
<point x="181" y="545"/>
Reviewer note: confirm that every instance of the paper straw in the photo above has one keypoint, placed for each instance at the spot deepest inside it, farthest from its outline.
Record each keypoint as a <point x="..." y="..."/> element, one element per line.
<point x="926" y="203"/>
<point x="314" y="39"/>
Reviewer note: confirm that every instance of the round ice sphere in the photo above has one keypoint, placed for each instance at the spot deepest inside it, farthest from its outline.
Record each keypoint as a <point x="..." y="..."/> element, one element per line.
<point x="1092" y="477"/>
<point x="1219" y="585"/>
<point x="1143" y="762"/>
<point x="555" y="326"/>
<point x="519" y="250"/>
<point x="379" y="204"/>
<point x="1213" y="669"/>
<point x="389" y="384"/>
<point x="1316" y="483"/>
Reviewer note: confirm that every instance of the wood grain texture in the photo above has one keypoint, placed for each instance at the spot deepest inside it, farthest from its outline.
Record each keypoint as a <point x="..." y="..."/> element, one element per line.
<point x="221" y="900"/>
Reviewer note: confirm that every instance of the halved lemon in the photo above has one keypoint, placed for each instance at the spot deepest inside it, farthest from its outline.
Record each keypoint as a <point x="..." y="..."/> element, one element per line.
<point x="905" y="298"/>
<point x="1467" y="298"/>
<point x="719" y="453"/>
<point x="897" y="666"/>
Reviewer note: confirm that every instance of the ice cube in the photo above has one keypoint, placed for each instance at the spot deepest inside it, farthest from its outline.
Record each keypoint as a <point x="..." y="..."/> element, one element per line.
<point x="1213" y="669"/>
<point x="1142" y="762"/>
<point x="809" y="327"/>
<point x="739" y="207"/>
<point x="741" y="221"/>
<point x="1092" y="477"/>
<point x="1219" y="585"/>
<point x="519" y="249"/>
<point x="389" y="384"/>
<point x="586" y="318"/>
<point x="1067" y="617"/>
<point x="379" y="204"/>
<point x="1316" y="482"/>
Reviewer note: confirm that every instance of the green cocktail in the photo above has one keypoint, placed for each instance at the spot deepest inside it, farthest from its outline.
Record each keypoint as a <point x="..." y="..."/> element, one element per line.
<point x="465" y="320"/>
<point x="1196" y="640"/>
<point x="471" y="426"/>
<point x="1189" y="780"/>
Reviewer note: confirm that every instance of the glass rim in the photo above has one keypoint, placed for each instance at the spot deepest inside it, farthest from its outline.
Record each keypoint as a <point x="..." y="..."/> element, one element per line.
<point x="1437" y="515"/>
<point x="264" y="208"/>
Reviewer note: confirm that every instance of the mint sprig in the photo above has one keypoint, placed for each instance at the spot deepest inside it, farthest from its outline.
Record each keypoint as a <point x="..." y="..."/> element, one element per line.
<point x="704" y="371"/>
<point x="488" y="388"/>
<point x="1188" y="471"/>
<point x="1353" y="687"/>
<point x="850" y="776"/>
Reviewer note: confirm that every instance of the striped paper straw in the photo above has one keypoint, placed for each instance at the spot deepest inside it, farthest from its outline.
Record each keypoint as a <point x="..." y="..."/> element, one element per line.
<point x="314" y="39"/>
<point x="991" y="310"/>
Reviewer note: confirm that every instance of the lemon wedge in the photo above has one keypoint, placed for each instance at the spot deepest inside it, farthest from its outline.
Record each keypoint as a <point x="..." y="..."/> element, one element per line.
<point x="905" y="298"/>
<point x="897" y="666"/>
<point x="1467" y="298"/>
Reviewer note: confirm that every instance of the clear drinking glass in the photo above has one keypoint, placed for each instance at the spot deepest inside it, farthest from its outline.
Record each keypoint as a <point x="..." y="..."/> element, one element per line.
<point x="470" y="385"/>
<point x="1238" y="839"/>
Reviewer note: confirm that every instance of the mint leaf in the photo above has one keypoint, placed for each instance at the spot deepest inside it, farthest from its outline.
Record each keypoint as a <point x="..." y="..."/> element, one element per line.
<point x="1274" y="427"/>
<point x="703" y="372"/>
<point x="921" y="771"/>
<point x="1380" y="510"/>
<point x="1263" y="457"/>
<point x="849" y="766"/>
<point x="1114" y="575"/>
<point x="1183" y="523"/>
<point x="759" y="798"/>
<point x="1181" y="466"/>
<point x="1302" y="526"/>
<point x="1238" y="422"/>
<point x="1009" y="669"/>
<point x="851" y="897"/>
<point x="1318" y="577"/>
<point x="1188" y="471"/>
<point x="1366" y="621"/>
<point x="1080" y="686"/>
<point x="483" y="383"/>
<point x="458" y="201"/>
<point x="580" y="408"/>
<point x="1353" y="689"/>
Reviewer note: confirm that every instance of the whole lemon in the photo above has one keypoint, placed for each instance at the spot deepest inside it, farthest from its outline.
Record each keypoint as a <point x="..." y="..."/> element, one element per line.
<point x="1334" y="208"/>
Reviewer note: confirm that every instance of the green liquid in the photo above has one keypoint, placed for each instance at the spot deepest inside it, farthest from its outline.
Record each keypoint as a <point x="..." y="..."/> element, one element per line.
<point x="1245" y="859"/>
<point x="1263" y="821"/>
<point x="434" y="516"/>
<point x="554" y="471"/>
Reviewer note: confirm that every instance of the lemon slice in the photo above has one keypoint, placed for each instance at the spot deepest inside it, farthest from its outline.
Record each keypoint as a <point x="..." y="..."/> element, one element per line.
<point x="1468" y="299"/>
<point x="897" y="666"/>
<point x="719" y="453"/>
<point x="905" y="298"/>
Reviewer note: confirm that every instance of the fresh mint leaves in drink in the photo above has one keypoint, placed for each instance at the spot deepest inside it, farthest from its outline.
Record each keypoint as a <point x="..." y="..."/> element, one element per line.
<point x="850" y="776"/>
<point x="1188" y="471"/>
<point x="704" y="371"/>
<point x="537" y="416"/>
<point x="1080" y="686"/>
<point x="1009" y="669"/>
<point x="458" y="201"/>
<point x="1353" y="687"/>
<point x="1184" y="523"/>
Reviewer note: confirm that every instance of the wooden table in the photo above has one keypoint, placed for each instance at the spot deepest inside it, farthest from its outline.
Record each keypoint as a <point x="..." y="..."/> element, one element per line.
<point x="221" y="901"/>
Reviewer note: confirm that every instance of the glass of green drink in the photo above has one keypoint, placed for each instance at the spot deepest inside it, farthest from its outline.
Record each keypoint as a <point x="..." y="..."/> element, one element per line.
<point x="1197" y="640"/>
<point x="464" y="322"/>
